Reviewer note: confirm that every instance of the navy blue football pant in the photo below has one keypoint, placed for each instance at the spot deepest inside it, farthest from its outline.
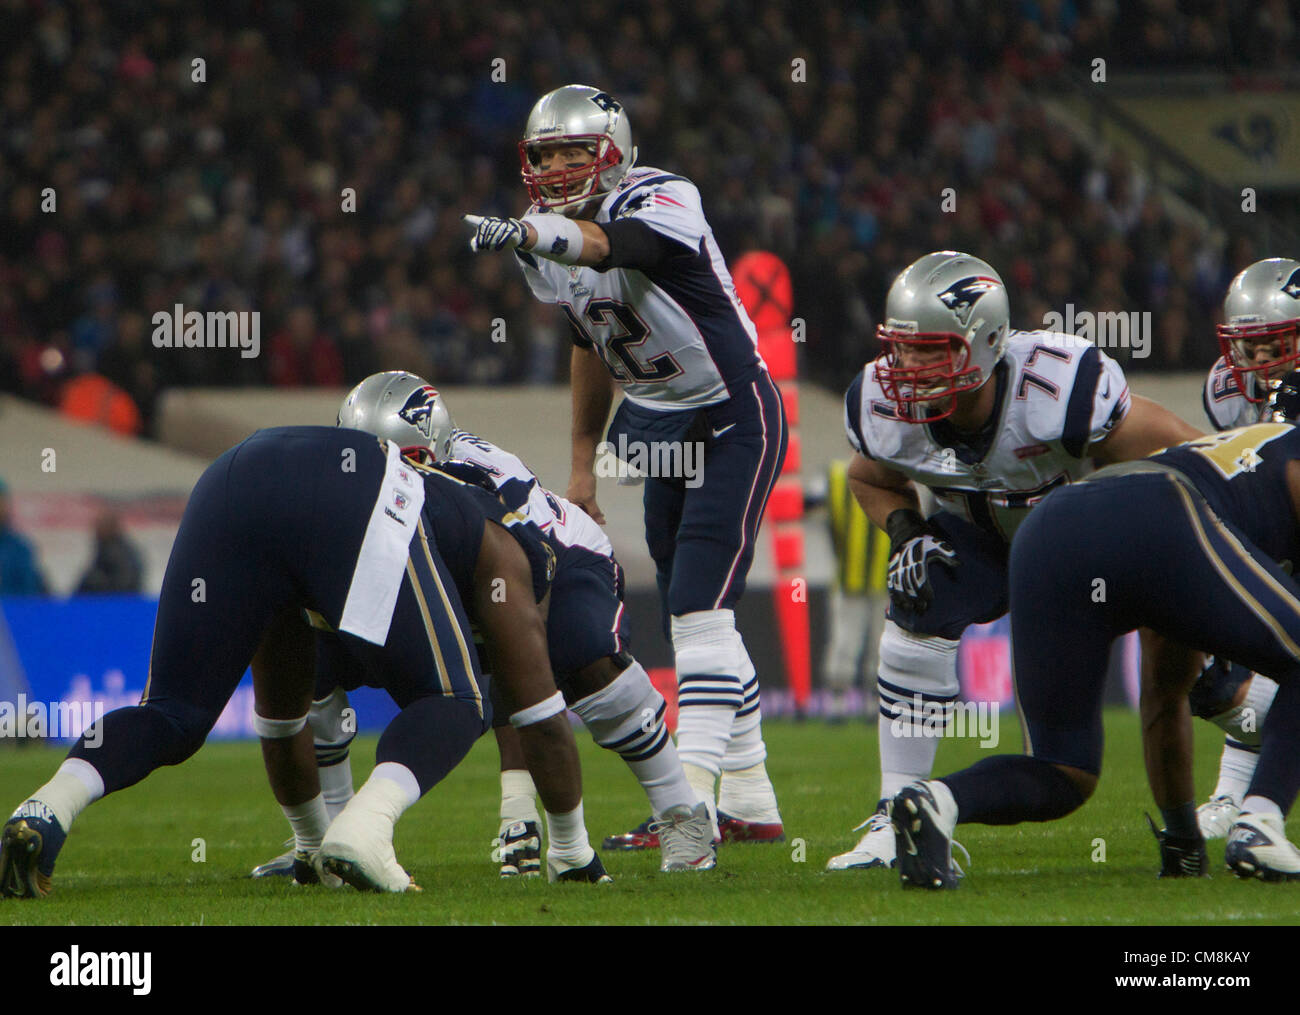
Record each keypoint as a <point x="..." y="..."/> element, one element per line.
<point x="275" y="524"/>
<point x="701" y="535"/>
<point x="1098" y="559"/>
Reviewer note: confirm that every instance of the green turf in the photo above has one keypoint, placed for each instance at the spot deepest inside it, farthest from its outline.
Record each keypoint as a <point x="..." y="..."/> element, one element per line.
<point x="130" y="857"/>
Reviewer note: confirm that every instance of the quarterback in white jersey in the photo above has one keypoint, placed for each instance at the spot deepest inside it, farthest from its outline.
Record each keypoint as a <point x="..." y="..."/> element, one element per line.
<point x="990" y="420"/>
<point x="1258" y="339"/>
<point x="629" y="258"/>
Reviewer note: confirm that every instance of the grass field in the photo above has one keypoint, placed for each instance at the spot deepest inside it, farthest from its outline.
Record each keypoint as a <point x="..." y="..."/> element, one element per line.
<point x="130" y="858"/>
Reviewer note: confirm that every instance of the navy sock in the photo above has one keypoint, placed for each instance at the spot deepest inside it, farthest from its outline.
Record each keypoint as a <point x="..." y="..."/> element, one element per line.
<point x="430" y="737"/>
<point x="1007" y="789"/>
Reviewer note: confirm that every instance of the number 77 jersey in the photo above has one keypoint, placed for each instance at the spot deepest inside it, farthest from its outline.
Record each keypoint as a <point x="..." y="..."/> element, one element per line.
<point x="1056" y="394"/>
<point x="674" y="335"/>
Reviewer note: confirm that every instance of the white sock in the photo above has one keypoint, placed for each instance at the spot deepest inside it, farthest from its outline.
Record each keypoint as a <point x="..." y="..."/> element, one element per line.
<point x="708" y="653"/>
<point x="749" y="796"/>
<point x="702" y="780"/>
<point x="625" y="717"/>
<point x="75" y="786"/>
<point x="308" y="821"/>
<point x="518" y="797"/>
<point x="912" y="665"/>
<point x="1236" y="769"/>
<point x="1256" y="804"/>
<point x="568" y="837"/>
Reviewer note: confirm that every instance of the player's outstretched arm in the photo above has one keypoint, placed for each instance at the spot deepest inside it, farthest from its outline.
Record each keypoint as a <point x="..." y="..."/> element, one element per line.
<point x="568" y="241"/>
<point x="515" y="634"/>
<point x="1149" y="427"/>
<point x="593" y="394"/>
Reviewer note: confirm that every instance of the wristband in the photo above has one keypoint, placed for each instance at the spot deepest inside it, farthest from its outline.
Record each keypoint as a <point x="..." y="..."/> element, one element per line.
<point x="558" y="238"/>
<point x="277" y="729"/>
<point x="904" y="524"/>
<point x="544" y="709"/>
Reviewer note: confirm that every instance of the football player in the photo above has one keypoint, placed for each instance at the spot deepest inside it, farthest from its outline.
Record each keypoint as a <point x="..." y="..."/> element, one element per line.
<point x="1258" y="339"/>
<point x="990" y="420"/>
<point x="629" y="258"/>
<point x="601" y="681"/>
<point x="394" y="557"/>
<point x="1189" y="545"/>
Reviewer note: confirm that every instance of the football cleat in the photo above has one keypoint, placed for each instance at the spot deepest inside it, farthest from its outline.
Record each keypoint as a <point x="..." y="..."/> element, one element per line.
<point x="1258" y="848"/>
<point x="1179" y="857"/>
<point x="924" y="817"/>
<point x="738" y="830"/>
<point x="874" y="849"/>
<point x="1216" y="816"/>
<point x="29" y="845"/>
<point x="280" y="867"/>
<point x="639" y="838"/>
<point x="358" y="849"/>
<point x="686" y="838"/>
<point x="518" y="849"/>
<point x="592" y="872"/>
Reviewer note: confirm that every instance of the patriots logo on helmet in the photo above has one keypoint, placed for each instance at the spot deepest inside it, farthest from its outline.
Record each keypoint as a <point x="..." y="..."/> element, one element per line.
<point x="962" y="295"/>
<point x="1292" y="286"/>
<point x="418" y="410"/>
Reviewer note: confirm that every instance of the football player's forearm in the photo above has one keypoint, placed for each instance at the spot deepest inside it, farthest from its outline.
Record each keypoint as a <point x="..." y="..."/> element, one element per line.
<point x="593" y="394"/>
<point x="291" y="767"/>
<point x="551" y="755"/>
<point x="1168" y="672"/>
<point x="595" y="244"/>
<point x="880" y="502"/>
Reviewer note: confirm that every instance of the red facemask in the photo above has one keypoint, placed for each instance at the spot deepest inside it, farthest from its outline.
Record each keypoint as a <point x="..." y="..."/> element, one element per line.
<point x="927" y="392"/>
<point x="564" y="186"/>
<point x="1232" y="339"/>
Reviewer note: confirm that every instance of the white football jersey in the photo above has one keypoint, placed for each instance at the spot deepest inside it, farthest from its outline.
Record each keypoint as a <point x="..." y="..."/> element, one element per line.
<point x="1058" y="394"/>
<point x="519" y="487"/>
<point x="674" y="339"/>
<point x="1226" y="406"/>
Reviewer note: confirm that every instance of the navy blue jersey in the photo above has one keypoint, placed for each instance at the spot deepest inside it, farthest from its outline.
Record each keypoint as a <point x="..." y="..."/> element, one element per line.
<point x="1242" y="476"/>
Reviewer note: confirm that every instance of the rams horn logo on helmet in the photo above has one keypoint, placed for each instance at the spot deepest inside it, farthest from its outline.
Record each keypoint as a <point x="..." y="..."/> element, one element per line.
<point x="418" y="410"/>
<point x="961" y="296"/>
<point x="1292" y="286"/>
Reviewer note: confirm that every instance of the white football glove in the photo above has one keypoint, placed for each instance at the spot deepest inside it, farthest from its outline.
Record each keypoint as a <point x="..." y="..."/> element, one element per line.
<point x="909" y="571"/>
<point x="491" y="233"/>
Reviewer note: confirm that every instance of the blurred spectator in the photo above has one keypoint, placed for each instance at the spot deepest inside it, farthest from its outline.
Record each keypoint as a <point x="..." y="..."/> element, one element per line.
<point x="116" y="567"/>
<point x="319" y="173"/>
<point x="19" y="573"/>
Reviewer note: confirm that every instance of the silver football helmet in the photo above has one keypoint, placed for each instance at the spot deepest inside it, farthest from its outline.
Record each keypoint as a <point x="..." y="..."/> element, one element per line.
<point x="947" y="321"/>
<point x="402" y="408"/>
<point x="1260" y="313"/>
<point x="576" y="115"/>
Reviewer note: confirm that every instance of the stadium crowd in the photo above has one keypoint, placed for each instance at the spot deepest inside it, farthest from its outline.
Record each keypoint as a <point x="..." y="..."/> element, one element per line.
<point x="221" y="185"/>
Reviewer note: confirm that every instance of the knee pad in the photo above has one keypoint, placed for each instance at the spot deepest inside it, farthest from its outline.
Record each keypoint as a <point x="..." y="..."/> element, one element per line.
<point x="327" y="721"/>
<point x="627" y="716"/>
<point x="710" y="658"/>
<point x="916" y="670"/>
